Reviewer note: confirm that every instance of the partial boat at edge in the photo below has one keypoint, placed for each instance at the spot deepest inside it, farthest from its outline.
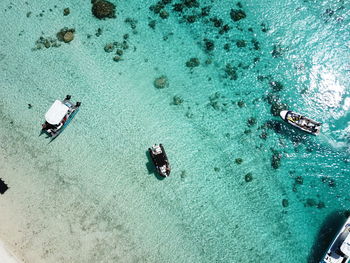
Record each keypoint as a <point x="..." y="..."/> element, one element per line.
<point x="339" y="251"/>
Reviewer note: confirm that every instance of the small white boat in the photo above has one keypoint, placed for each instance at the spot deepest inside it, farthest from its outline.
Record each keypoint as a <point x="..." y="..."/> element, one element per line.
<point x="339" y="251"/>
<point x="299" y="121"/>
<point x="58" y="116"/>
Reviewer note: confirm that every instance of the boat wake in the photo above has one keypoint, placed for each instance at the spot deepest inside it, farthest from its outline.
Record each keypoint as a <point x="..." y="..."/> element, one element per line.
<point x="341" y="142"/>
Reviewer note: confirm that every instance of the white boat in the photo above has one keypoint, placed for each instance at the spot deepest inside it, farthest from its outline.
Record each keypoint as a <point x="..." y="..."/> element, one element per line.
<point x="58" y="116"/>
<point x="339" y="251"/>
<point x="301" y="122"/>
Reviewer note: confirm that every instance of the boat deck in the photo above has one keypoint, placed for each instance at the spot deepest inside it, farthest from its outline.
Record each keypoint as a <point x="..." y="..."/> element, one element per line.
<point x="160" y="159"/>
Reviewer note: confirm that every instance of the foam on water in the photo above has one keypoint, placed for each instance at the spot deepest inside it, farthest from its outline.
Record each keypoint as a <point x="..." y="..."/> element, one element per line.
<point x="91" y="195"/>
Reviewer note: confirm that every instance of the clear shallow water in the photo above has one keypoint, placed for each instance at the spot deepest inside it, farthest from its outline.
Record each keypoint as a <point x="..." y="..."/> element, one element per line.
<point x="90" y="193"/>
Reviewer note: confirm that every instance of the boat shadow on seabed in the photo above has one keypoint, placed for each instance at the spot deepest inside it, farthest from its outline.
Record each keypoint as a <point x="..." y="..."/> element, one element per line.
<point x="151" y="168"/>
<point x="328" y="230"/>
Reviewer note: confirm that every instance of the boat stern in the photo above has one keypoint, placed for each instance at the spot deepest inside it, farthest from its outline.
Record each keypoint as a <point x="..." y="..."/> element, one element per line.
<point x="283" y="114"/>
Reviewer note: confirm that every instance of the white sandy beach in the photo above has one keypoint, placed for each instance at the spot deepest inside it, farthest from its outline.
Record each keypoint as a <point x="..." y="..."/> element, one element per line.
<point x="6" y="256"/>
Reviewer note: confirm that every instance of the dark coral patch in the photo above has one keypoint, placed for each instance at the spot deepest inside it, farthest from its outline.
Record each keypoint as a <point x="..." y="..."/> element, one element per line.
<point x="237" y="14"/>
<point x="103" y="9"/>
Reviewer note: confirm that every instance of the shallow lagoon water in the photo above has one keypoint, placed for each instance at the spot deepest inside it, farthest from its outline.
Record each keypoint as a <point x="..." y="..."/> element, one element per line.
<point x="90" y="196"/>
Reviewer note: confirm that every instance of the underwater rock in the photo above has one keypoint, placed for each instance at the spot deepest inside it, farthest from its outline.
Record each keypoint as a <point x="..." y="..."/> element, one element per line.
<point x="66" y="34"/>
<point x="177" y="100"/>
<point x="276" y="85"/>
<point x="238" y="160"/>
<point x="190" y="3"/>
<point x="251" y="121"/>
<point x="310" y="202"/>
<point x="131" y="21"/>
<point x="191" y="19"/>
<point x="98" y="32"/>
<point x="272" y="98"/>
<point x="241" y="43"/>
<point x="299" y="180"/>
<point x="183" y="174"/>
<point x="241" y="103"/>
<point x="103" y="9"/>
<point x="264" y="28"/>
<point x="277" y="51"/>
<point x="285" y="203"/>
<point x="152" y="24"/>
<point x="216" y="21"/>
<point x="274" y="125"/>
<point x="46" y="42"/>
<point x="209" y="44"/>
<point x="237" y="14"/>
<point x="248" y="131"/>
<point x="66" y="11"/>
<point x="163" y="14"/>
<point x="256" y="44"/>
<point x="117" y="58"/>
<point x="165" y="2"/>
<point x="124" y="45"/>
<point x="321" y="205"/>
<point x="227" y="47"/>
<point x="109" y="47"/>
<point x="331" y="183"/>
<point x="178" y="7"/>
<point x="277" y="107"/>
<point x="119" y="52"/>
<point x="157" y="7"/>
<point x="276" y="159"/>
<point x="248" y="177"/>
<point x="192" y="63"/>
<point x="224" y="29"/>
<point x="263" y="135"/>
<point x="161" y="82"/>
<point x="205" y="11"/>
<point x="231" y="71"/>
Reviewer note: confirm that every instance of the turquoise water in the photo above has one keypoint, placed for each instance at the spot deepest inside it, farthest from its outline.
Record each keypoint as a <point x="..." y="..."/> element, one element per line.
<point x="91" y="196"/>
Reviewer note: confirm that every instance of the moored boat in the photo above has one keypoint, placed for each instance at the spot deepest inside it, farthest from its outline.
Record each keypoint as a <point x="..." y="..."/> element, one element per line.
<point x="58" y="116"/>
<point x="160" y="159"/>
<point x="301" y="122"/>
<point x="339" y="251"/>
